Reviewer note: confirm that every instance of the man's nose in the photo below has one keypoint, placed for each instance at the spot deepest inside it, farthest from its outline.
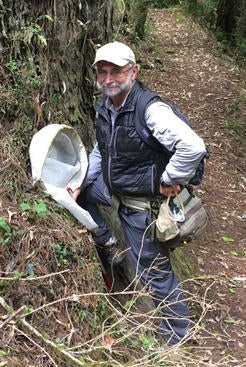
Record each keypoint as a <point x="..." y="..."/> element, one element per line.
<point x="109" y="78"/>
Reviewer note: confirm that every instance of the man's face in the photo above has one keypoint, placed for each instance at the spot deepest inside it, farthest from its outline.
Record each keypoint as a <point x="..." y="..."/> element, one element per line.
<point x="114" y="80"/>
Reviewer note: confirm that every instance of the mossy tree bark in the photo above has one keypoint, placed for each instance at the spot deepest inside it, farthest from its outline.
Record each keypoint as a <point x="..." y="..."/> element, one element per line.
<point x="49" y="46"/>
<point x="137" y="11"/>
<point x="231" y="18"/>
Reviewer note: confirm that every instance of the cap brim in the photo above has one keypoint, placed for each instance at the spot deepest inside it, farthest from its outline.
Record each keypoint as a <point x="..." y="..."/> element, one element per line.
<point x="112" y="60"/>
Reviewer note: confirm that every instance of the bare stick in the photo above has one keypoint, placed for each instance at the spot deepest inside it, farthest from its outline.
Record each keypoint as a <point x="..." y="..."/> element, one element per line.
<point x="12" y="316"/>
<point x="40" y="336"/>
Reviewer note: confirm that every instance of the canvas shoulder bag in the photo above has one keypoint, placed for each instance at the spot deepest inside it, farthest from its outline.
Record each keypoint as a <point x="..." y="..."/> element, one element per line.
<point x="189" y="226"/>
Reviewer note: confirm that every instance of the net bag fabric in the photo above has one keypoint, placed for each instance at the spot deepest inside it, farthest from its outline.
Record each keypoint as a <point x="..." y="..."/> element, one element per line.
<point x="59" y="160"/>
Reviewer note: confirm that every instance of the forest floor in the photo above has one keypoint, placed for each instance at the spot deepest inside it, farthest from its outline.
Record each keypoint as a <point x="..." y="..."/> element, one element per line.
<point x="188" y="70"/>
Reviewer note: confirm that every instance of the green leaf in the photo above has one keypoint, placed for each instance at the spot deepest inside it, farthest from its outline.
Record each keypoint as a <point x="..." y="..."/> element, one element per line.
<point x="42" y="39"/>
<point x="4" y="225"/>
<point x="235" y="253"/>
<point x="147" y="342"/>
<point x="134" y="343"/>
<point x="49" y="17"/>
<point x="41" y="210"/>
<point x="25" y="206"/>
<point x="227" y="239"/>
<point x="3" y="353"/>
<point x="128" y="304"/>
<point x="229" y="321"/>
<point x="40" y="207"/>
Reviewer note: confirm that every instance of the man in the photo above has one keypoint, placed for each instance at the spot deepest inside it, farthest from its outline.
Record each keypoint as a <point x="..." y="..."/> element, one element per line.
<point x="122" y="164"/>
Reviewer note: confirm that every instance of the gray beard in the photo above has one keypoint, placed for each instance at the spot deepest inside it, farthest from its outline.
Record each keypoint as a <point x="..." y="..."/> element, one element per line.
<point x="115" y="89"/>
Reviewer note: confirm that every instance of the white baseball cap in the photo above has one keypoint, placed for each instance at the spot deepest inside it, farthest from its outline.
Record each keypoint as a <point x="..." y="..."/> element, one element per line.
<point x="115" y="52"/>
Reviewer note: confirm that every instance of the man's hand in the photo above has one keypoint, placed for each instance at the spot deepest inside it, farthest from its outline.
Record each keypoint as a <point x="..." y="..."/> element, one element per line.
<point x="76" y="194"/>
<point x="170" y="190"/>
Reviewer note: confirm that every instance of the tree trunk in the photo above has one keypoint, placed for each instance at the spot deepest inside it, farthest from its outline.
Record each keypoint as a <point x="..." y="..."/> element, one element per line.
<point x="136" y="12"/>
<point x="242" y="20"/>
<point x="139" y="12"/>
<point x="48" y="49"/>
<point x="227" y="11"/>
<point x="50" y="45"/>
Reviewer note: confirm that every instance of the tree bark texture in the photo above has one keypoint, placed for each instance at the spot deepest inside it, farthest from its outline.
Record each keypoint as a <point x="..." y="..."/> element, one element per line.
<point x="52" y="45"/>
<point x="136" y="15"/>
<point x="139" y="12"/>
<point x="227" y="16"/>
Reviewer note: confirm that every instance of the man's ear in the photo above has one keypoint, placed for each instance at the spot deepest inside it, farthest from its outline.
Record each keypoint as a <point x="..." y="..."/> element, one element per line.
<point x="135" y="70"/>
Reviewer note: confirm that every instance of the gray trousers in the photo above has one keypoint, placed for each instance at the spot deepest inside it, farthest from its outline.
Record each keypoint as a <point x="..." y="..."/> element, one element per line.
<point x="150" y="260"/>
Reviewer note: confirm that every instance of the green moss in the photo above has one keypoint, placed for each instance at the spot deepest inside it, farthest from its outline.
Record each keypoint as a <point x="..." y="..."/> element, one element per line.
<point x="181" y="264"/>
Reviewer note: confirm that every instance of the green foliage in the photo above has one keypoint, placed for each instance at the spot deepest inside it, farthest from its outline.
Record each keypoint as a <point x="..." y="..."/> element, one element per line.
<point x="236" y="123"/>
<point x="21" y="79"/>
<point x="7" y="233"/>
<point x="227" y="239"/>
<point x="28" y="309"/>
<point x="159" y="4"/>
<point x="64" y="253"/>
<point x="30" y="270"/>
<point x="60" y="341"/>
<point x="27" y="33"/>
<point x="4" y="353"/>
<point x="4" y="226"/>
<point x="34" y="208"/>
<point x="147" y="341"/>
<point x="237" y="127"/>
<point x="205" y="12"/>
<point x="33" y="30"/>
<point x="128" y="304"/>
<point x="20" y="83"/>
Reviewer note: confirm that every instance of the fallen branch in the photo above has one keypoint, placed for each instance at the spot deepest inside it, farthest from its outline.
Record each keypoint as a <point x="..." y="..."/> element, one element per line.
<point x="7" y="279"/>
<point x="48" y="342"/>
<point x="11" y="317"/>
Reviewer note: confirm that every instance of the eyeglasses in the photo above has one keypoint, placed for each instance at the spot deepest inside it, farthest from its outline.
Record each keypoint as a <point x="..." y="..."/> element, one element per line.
<point x="115" y="73"/>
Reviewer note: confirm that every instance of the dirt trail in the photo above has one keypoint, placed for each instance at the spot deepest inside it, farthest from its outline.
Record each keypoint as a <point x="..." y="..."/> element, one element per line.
<point x="210" y="89"/>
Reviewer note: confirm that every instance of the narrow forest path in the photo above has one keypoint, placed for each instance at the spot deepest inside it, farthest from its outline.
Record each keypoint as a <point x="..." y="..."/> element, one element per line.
<point x="188" y="70"/>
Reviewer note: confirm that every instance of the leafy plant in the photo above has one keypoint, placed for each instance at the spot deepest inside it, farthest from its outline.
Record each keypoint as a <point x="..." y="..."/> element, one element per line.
<point x="128" y="304"/>
<point x="4" y="353"/>
<point x="159" y="4"/>
<point x="64" y="253"/>
<point x="4" y="226"/>
<point x="28" y="309"/>
<point x="37" y="208"/>
<point x="147" y="341"/>
<point x="30" y="270"/>
<point x="7" y="232"/>
<point x="33" y="30"/>
<point x="60" y="341"/>
<point x="12" y="65"/>
<point x="237" y="127"/>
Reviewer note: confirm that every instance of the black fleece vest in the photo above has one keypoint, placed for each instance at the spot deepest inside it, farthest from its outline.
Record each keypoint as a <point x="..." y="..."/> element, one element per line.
<point x="129" y="165"/>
